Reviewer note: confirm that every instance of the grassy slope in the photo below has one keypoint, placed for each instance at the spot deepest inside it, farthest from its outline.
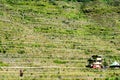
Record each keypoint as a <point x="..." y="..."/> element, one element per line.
<point x="59" y="28"/>
<point x="57" y="33"/>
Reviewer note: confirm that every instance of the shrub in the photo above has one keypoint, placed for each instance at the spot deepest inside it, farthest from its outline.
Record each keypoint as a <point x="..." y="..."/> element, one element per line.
<point x="21" y="51"/>
<point x="60" y="62"/>
<point x="3" y="50"/>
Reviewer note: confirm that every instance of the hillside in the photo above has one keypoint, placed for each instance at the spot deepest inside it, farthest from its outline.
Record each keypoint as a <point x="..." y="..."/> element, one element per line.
<point x="61" y="33"/>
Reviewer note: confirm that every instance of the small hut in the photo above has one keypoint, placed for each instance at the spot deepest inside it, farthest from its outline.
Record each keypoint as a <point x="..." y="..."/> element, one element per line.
<point x="115" y="64"/>
<point x="95" y="61"/>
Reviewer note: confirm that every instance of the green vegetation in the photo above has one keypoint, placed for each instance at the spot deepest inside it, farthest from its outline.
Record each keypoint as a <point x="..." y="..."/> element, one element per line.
<point x="62" y="33"/>
<point x="3" y="64"/>
<point x="59" y="62"/>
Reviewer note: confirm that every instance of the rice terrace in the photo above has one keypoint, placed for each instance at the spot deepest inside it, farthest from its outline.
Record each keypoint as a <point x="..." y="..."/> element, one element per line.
<point x="59" y="39"/>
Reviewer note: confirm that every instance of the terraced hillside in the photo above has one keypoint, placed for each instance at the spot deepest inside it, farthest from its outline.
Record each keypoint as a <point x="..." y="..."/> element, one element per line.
<point x="52" y="39"/>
